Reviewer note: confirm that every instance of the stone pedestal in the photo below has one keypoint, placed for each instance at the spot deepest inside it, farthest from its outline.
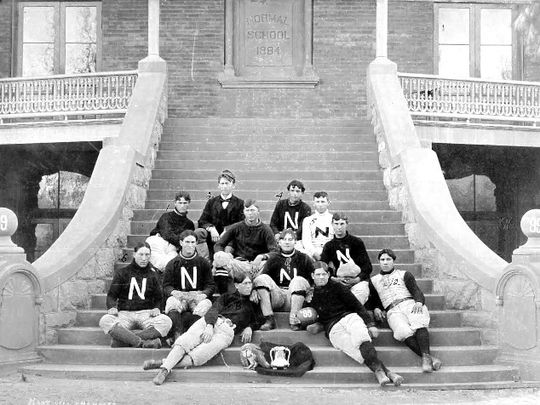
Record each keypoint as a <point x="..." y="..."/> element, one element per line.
<point x="20" y="297"/>
<point x="518" y="298"/>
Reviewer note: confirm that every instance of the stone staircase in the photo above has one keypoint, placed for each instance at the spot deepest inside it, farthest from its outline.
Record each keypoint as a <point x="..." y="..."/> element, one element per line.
<point x="337" y="156"/>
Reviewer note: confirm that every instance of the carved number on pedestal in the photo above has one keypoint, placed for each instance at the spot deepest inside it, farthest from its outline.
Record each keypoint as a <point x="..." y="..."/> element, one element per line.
<point x="535" y="225"/>
<point x="3" y="222"/>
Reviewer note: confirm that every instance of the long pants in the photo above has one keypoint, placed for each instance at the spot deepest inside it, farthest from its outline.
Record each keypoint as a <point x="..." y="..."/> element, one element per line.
<point x="348" y="334"/>
<point x="136" y="319"/>
<point x="189" y="350"/>
<point x="403" y="322"/>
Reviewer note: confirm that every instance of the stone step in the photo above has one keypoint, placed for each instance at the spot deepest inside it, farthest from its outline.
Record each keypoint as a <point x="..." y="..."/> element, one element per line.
<point x="307" y="176"/>
<point x="403" y="256"/>
<point x="269" y="205"/>
<point x="275" y="156"/>
<point x="359" y="229"/>
<point x="373" y="216"/>
<point x="246" y="147"/>
<point x="439" y="318"/>
<point x="270" y="194"/>
<point x="325" y="136"/>
<point x="461" y="336"/>
<point x="468" y="376"/>
<point x="242" y="165"/>
<point x="393" y="241"/>
<point x="275" y="183"/>
<point x="399" y="356"/>
<point x="266" y="123"/>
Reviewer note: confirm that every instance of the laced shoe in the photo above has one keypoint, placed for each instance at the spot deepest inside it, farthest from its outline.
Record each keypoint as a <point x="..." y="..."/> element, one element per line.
<point x="427" y="364"/>
<point x="152" y="344"/>
<point x="436" y="363"/>
<point x="161" y="376"/>
<point x="315" y="328"/>
<point x="395" y="378"/>
<point x="151" y="364"/>
<point x="269" y="324"/>
<point x="382" y="378"/>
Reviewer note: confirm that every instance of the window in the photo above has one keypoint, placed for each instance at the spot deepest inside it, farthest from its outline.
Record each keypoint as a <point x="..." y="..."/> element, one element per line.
<point x="59" y="37"/>
<point x="476" y="40"/>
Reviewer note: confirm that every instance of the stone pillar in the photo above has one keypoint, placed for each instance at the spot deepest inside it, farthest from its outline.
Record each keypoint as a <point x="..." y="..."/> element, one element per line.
<point x="382" y="29"/>
<point x="153" y="28"/>
<point x="20" y="297"/>
<point x="229" y="29"/>
<point x="518" y="299"/>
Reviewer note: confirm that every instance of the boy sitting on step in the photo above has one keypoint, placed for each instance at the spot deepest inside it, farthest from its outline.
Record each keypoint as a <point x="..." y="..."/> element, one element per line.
<point x="348" y="325"/>
<point x="219" y="213"/>
<point x="133" y="302"/>
<point x="396" y="297"/>
<point x="232" y="313"/>
<point x="284" y="282"/>
<point x="188" y="285"/>
<point x="164" y="238"/>
<point x="348" y="256"/>
<point x="252" y="241"/>
<point x="289" y="213"/>
<point x="317" y="228"/>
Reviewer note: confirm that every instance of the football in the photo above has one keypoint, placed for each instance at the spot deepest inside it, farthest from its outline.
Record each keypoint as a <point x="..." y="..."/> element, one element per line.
<point x="307" y="316"/>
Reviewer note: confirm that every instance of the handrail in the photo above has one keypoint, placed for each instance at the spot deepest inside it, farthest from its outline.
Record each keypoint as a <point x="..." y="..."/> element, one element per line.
<point x="100" y="93"/>
<point x="118" y="165"/>
<point x="471" y="98"/>
<point x="430" y="205"/>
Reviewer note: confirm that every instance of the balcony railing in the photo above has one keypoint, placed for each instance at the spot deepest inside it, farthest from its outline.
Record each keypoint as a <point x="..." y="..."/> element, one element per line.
<point x="64" y="96"/>
<point x="472" y="100"/>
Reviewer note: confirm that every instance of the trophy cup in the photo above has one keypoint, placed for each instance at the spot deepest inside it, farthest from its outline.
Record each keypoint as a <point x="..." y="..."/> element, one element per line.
<point x="279" y="357"/>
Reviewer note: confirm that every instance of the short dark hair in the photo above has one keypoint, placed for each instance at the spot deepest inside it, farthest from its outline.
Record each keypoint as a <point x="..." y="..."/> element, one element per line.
<point x="320" y="194"/>
<point x="139" y="245"/>
<point x="287" y="231"/>
<point x="340" y="216"/>
<point x="320" y="265"/>
<point x="389" y="252"/>
<point x="186" y="233"/>
<point x="239" y="277"/>
<point x="182" y="194"/>
<point x="249" y="202"/>
<point x="227" y="175"/>
<point x="296" y="183"/>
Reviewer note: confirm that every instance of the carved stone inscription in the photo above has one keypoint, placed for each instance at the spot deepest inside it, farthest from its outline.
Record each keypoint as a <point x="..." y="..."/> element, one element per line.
<point x="268" y="34"/>
<point x="268" y="44"/>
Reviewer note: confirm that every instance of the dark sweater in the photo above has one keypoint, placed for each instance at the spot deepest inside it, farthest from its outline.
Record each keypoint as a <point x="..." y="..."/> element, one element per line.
<point x="119" y="292"/>
<point x="248" y="241"/>
<point x="293" y="264"/>
<point x="238" y="308"/>
<point x="356" y="250"/>
<point x="335" y="301"/>
<point x="170" y="225"/>
<point x="280" y="220"/>
<point x="181" y="272"/>
<point x="215" y="215"/>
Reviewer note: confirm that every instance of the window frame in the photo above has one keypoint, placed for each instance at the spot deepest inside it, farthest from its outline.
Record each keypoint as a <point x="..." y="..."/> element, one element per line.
<point x="475" y="26"/>
<point x="60" y="35"/>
